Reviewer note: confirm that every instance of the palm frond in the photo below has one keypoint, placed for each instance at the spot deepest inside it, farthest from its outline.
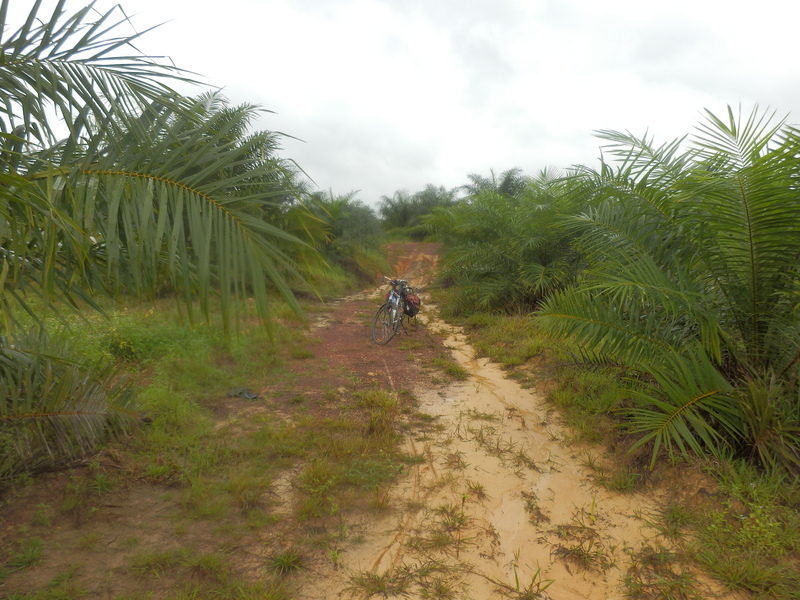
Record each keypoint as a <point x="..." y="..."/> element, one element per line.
<point x="685" y="409"/>
<point x="53" y="411"/>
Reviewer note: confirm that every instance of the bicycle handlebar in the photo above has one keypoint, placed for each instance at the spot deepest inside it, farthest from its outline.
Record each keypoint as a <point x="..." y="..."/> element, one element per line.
<point x="400" y="286"/>
<point x="394" y="282"/>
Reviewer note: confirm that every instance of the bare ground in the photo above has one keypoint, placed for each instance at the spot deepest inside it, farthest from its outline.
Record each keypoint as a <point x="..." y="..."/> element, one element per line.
<point x="501" y="505"/>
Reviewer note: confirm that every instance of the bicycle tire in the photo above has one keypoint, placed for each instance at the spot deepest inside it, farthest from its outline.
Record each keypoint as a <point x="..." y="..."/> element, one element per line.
<point x="397" y="317"/>
<point x="383" y="328"/>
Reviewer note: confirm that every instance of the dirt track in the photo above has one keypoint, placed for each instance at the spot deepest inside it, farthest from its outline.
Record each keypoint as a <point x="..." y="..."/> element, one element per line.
<point x="502" y="505"/>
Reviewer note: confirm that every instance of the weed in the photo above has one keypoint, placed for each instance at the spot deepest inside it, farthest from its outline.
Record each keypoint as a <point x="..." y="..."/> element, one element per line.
<point x="749" y="572"/>
<point x="75" y="493"/>
<point x="156" y="564"/>
<point x="438" y="587"/>
<point x="89" y="539"/>
<point x="28" y="553"/>
<point x="301" y="353"/>
<point x="451" y="367"/>
<point x="455" y="460"/>
<point x="535" y="588"/>
<point x="42" y="515"/>
<point x="63" y="586"/>
<point x="618" y="480"/>
<point x="316" y="481"/>
<point x="371" y="473"/>
<point x="476" y="490"/>
<point x="101" y="483"/>
<point x="476" y="415"/>
<point x="653" y="573"/>
<point x="286" y="561"/>
<point x="674" y="518"/>
<point x="394" y="582"/>
<point x="246" y="487"/>
<point x="520" y="459"/>
<point x="130" y="542"/>
<point x="535" y="513"/>
<point x="588" y="554"/>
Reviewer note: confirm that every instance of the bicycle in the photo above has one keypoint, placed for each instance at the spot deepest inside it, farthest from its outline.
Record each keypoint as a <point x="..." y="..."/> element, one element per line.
<point x="389" y="318"/>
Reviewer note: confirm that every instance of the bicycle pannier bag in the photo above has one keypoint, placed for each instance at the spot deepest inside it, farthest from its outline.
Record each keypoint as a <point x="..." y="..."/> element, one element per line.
<point x="412" y="305"/>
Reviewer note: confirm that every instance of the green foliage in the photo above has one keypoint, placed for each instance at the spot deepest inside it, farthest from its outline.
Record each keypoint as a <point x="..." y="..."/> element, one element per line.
<point x="51" y="409"/>
<point x="149" y="193"/>
<point x="509" y="184"/>
<point x="286" y="561"/>
<point x="692" y="264"/>
<point x="119" y="204"/>
<point x="749" y="540"/>
<point x="404" y="211"/>
<point x="514" y="271"/>
<point x="346" y="232"/>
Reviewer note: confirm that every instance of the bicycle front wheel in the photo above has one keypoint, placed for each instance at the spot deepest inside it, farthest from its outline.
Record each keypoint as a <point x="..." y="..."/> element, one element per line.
<point x="383" y="327"/>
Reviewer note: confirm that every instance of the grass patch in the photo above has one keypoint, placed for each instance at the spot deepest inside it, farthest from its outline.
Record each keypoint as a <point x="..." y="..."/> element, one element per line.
<point x="450" y="367"/>
<point x="286" y="562"/>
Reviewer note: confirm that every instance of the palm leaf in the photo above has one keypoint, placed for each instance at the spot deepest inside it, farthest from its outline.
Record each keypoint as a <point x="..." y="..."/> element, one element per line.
<point x="684" y="409"/>
<point x="51" y="410"/>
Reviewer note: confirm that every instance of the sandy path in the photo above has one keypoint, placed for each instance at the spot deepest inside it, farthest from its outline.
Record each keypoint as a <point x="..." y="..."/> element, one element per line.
<point x="501" y="504"/>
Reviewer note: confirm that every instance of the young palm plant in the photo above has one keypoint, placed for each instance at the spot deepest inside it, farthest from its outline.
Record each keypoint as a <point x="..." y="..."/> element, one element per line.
<point x="693" y="284"/>
<point x="506" y="252"/>
<point x="112" y="183"/>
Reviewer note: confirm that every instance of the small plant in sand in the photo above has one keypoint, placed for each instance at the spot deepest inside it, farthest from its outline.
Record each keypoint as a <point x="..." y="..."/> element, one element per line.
<point x="394" y="582"/>
<point x="533" y="589"/>
<point x="532" y="508"/>
<point x="588" y="554"/>
<point x="581" y="544"/>
<point x="455" y="460"/>
<point x="476" y="415"/>
<point x="476" y="490"/>
<point x="524" y="588"/>
<point x="444" y="529"/>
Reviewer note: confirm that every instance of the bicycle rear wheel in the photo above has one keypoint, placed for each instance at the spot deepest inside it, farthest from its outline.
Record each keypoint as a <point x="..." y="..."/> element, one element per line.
<point x="383" y="328"/>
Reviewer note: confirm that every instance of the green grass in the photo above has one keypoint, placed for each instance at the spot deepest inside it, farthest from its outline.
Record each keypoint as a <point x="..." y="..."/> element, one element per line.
<point x="508" y="340"/>
<point x="286" y="562"/>
<point x="157" y="563"/>
<point x="27" y="552"/>
<point x="338" y="453"/>
<point x="387" y="584"/>
<point x="450" y="367"/>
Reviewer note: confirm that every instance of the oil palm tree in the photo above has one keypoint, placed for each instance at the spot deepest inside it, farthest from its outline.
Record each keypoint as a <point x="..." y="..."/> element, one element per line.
<point x="509" y="183"/>
<point x="507" y="252"/>
<point x="112" y="182"/>
<point x="693" y="283"/>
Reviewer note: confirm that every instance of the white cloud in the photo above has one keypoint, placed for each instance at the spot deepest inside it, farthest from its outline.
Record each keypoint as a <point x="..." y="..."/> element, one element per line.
<point x="396" y="94"/>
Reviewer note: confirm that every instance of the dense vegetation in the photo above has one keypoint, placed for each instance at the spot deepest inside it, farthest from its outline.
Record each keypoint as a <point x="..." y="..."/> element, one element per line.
<point x="114" y="186"/>
<point x="676" y="266"/>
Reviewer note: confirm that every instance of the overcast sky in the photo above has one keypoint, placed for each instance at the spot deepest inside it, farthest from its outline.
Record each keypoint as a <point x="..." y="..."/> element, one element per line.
<point x="396" y="94"/>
